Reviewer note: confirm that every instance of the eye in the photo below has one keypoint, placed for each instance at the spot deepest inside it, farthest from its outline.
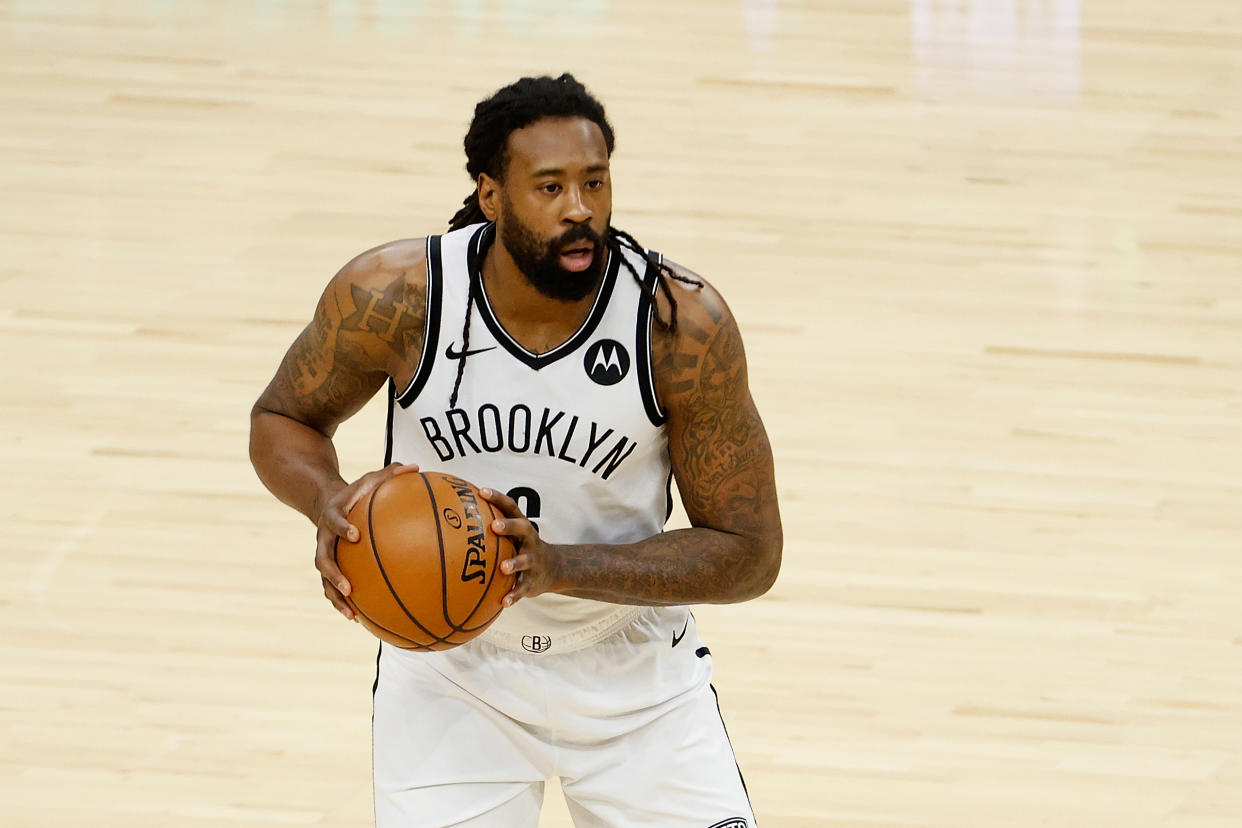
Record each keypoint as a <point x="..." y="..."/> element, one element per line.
<point x="551" y="188"/>
<point x="595" y="184"/>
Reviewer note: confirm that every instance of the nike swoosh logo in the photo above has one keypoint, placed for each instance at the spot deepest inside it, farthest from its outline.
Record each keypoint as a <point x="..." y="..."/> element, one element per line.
<point x="451" y="354"/>
<point x="677" y="638"/>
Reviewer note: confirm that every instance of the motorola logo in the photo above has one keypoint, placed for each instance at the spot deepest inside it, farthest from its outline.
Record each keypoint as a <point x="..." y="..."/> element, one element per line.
<point x="607" y="362"/>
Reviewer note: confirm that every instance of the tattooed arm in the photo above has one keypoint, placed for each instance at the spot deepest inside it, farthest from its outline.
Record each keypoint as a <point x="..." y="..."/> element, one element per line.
<point x="722" y="460"/>
<point x="367" y="327"/>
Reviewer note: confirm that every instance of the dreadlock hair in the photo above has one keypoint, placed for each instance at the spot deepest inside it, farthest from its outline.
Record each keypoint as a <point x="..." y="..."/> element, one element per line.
<point x="519" y="105"/>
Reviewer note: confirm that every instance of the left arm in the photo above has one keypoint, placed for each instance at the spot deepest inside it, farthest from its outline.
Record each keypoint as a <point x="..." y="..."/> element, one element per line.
<point x="722" y="460"/>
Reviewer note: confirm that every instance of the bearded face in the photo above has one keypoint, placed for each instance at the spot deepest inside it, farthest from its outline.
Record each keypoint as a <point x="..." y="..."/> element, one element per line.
<point x="567" y="268"/>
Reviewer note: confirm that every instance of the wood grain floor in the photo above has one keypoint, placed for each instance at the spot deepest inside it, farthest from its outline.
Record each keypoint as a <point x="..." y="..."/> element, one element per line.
<point x="987" y="256"/>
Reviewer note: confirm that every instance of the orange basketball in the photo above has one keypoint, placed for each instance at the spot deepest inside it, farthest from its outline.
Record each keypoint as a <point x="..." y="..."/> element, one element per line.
<point x="425" y="572"/>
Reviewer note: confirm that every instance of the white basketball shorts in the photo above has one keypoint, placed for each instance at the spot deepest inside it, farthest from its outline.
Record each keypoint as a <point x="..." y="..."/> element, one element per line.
<point x="630" y="725"/>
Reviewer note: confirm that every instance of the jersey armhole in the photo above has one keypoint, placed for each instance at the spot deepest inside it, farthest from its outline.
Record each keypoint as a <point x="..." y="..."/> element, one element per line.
<point x="646" y="311"/>
<point x="431" y="329"/>
<point x="392" y="399"/>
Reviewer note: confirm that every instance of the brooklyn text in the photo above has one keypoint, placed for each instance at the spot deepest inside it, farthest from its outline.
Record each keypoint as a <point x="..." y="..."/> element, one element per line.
<point x="521" y="430"/>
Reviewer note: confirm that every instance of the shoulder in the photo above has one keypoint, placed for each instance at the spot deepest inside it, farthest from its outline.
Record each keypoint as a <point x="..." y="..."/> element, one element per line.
<point x="701" y="336"/>
<point x="397" y="269"/>
<point x="692" y="299"/>
<point x="378" y="304"/>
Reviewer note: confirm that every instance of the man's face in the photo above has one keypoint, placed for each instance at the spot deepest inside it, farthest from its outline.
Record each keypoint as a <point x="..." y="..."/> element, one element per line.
<point x="555" y="204"/>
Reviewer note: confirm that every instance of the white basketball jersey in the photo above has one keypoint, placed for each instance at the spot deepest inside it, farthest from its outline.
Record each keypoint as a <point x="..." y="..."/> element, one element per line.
<point x="575" y="435"/>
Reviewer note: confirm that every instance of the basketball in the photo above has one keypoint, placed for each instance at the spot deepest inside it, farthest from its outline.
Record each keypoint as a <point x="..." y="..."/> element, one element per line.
<point x="425" y="572"/>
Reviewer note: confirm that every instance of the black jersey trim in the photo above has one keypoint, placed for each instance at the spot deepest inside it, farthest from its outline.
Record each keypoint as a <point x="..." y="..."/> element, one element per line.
<point x="374" y="689"/>
<point x="725" y="728"/>
<point x="375" y="686"/>
<point x="668" y="496"/>
<point x="431" y="329"/>
<point x="646" y="311"/>
<point x="392" y="400"/>
<point x="479" y="244"/>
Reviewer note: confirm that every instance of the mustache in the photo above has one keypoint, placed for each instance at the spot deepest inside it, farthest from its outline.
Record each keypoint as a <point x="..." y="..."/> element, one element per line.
<point x="578" y="232"/>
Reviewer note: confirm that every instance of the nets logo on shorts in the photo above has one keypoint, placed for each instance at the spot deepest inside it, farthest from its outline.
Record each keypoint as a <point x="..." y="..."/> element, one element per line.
<point x="606" y="362"/>
<point x="536" y="643"/>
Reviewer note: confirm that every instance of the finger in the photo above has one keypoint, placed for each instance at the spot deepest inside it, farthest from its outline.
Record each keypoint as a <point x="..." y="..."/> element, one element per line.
<point x="338" y="600"/>
<point x="338" y="522"/>
<point x="361" y="489"/>
<point x="516" y="564"/>
<point x="523" y="587"/>
<point x="325" y="562"/>
<point x="371" y="481"/>
<point x="507" y="505"/>
<point x="366" y="484"/>
<point x="516" y="594"/>
<point x="520" y="528"/>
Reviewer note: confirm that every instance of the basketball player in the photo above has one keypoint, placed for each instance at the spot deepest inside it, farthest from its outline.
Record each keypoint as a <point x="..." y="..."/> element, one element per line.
<point x="540" y="352"/>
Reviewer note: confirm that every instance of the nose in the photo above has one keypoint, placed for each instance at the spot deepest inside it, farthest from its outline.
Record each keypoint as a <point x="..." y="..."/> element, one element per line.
<point x="576" y="208"/>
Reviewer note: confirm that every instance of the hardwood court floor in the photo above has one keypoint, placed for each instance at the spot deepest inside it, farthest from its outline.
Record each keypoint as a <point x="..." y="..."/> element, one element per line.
<point x="987" y="256"/>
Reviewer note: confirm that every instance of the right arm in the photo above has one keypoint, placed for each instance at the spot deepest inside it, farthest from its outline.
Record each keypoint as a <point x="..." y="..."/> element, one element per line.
<point x="367" y="327"/>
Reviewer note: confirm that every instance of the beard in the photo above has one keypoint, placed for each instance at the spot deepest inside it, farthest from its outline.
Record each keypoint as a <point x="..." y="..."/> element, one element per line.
<point x="540" y="260"/>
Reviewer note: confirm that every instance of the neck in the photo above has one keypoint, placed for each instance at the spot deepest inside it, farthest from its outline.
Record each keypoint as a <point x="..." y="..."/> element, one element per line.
<point x="538" y="322"/>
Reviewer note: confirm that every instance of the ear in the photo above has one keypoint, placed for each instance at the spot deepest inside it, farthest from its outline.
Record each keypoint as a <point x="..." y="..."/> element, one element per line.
<point x="489" y="196"/>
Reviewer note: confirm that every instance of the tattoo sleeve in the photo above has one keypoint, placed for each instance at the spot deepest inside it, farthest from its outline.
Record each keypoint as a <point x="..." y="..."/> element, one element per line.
<point x="719" y="447"/>
<point x="360" y="335"/>
<point x="367" y="324"/>
<point x="722" y="460"/>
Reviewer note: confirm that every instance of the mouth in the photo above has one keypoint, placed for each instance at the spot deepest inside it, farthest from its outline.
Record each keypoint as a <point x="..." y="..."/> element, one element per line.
<point x="577" y="256"/>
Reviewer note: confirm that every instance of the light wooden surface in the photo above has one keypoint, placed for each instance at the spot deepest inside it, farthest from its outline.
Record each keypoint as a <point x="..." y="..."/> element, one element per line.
<point x="987" y="255"/>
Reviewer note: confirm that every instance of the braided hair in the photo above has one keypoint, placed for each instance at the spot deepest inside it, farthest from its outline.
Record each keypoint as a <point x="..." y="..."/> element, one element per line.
<point x="519" y="105"/>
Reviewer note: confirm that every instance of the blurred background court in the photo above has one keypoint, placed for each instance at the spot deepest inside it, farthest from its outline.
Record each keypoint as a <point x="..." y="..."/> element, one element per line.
<point x="987" y="258"/>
